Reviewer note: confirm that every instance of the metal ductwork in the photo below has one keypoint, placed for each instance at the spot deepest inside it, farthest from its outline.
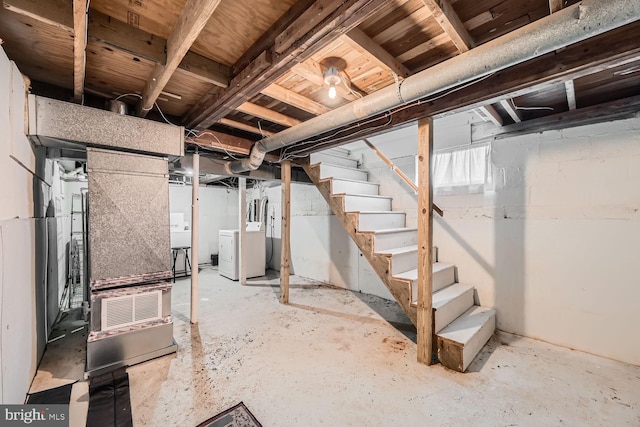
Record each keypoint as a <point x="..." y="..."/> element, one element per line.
<point x="568" y="26"/>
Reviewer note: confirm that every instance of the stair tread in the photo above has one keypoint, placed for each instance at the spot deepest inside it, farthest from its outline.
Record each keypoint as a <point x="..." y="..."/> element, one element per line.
<point x="394" y="230"/>
<point x="342" y="167"/>
<point x="401" y="250"/>
<point x="444" y="295"/>
<point x="467" y="325"/>
<point x="350" y="180"/>
<point x="372" y="196"/>
<point x="382" y="212"/>
<point x="413" y="274"/>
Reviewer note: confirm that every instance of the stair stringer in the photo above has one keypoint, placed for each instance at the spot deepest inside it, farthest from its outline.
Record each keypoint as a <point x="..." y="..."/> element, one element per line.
<point x="381" y="264"/>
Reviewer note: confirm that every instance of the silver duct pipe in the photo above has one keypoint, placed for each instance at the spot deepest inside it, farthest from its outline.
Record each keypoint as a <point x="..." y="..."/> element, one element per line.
<point x="572" y="25"/>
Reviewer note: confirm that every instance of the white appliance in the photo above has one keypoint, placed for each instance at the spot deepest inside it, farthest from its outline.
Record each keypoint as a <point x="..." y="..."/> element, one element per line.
<point x="228" y="255"/>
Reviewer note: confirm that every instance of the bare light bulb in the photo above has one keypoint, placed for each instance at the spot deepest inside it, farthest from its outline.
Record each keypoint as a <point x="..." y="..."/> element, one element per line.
<point x="332" y="91"/>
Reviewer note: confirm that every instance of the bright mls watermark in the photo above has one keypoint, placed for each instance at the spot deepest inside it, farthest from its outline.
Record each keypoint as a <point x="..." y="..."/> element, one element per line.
<point x="34" y="415"/>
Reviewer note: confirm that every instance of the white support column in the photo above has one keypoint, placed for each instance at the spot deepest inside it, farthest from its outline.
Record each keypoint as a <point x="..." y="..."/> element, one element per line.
<point x="242" y="226"/>
<point x="285" y="237"/>
<point x="195" y="220"/>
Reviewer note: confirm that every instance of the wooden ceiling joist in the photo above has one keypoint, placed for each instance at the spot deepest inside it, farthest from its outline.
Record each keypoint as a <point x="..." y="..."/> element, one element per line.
<point x="79" y="47"/>
<point x="569" y="88"/>
<point x="365" y="44"/>
<point x="190" y="23"/>
<point x="228" y="144"/>
<point x="306" y="37"/>
<point x="294" y="99"/>
<point x="492" y="114"/>
<point x="118" y="35"/>
<point x="267" y="114"/>
<point x="450" y="23"/>
<point x="507" y="105"/>
<point x="243" y="126"/>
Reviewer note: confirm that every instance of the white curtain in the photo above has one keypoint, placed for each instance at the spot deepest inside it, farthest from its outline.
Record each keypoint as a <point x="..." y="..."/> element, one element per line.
<point x="462" y="170"/>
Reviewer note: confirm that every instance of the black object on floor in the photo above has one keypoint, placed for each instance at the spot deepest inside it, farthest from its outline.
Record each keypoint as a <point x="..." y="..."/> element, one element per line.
<point x="109" y="402"/>
<point x="53" y="396"/>
<point x="236" y="416"/>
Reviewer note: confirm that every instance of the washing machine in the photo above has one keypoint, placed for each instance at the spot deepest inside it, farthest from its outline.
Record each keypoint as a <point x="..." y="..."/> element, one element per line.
<point x="228" y="255"/>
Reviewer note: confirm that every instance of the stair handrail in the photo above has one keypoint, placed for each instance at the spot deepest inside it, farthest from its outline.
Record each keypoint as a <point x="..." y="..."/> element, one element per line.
<point x="398" y="172"/>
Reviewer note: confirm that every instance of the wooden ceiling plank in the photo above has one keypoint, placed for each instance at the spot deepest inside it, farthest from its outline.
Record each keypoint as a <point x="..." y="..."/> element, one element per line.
<point x="243" y="126"/>
<point x="346" y="16"/>
<point x="555" y="5"/>
<point x="58" y="13"/>
<point x="79" y="47"/>
<point x="204" y="69"/>
<point x="267" y="114"/>
<point x="450" y="22"/>
<point x="383" y="59"/>
<point x="190" y="23"/>
<point x="507" y="104"/>
<point x="292" y="98"/>
<point x="221" y="142"/>
<point x="569" y="87"/>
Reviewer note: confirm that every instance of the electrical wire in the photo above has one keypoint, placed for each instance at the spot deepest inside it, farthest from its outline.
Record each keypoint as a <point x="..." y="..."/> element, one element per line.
<point x="205" y="132"/>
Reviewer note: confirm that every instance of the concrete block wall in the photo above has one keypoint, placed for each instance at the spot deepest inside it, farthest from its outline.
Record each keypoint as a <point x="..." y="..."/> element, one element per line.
<point x="554" y="247"/>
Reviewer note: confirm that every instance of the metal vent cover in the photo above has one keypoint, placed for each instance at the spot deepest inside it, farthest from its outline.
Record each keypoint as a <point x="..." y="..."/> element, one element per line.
<point x="128" y="310"/>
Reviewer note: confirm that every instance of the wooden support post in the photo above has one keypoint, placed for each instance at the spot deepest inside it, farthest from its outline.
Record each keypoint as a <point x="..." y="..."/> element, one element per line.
<point x="242" y="235"/>
<point x="195" y="223"/>
<point x="285" y="259"/>
<point x="425" y="241"/>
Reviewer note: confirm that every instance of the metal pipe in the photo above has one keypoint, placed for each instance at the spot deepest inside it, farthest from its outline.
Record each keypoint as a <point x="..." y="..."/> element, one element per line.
<point x="571" y="25"/>
<point x="195" y="225"/>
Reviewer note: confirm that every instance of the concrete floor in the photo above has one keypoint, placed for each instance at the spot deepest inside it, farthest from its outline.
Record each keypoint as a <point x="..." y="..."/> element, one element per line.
<point x="331" y="358"/>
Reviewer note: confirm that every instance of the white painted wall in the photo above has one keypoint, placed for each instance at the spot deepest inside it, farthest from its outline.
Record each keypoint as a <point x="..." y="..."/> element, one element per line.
<point x="218" y="211"/>
<point x="554" y="248"/>
<point x="18" y="350"/>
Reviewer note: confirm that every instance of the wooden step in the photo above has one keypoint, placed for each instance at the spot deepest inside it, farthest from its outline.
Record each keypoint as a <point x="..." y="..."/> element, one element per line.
<point x="463" y="338"/>
<point x="333" y="159"/>
<point x="403" y="259"/>
<point x="366" y="202"/>
<point x="378" y="220"/>
<point x="450" y="302"/>
<point x="333" y="171"/>
<point x="352" y="186"/>
<point x="443" y="276"/>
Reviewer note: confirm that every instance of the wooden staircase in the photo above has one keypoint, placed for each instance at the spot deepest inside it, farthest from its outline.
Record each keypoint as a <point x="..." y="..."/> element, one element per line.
<point x="461" y="328"/>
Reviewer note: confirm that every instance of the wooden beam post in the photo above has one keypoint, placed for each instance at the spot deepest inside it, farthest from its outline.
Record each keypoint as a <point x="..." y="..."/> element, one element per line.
<point x="425" y="241"/>
<point x="79" y="47"/>
<point x="285" y="258"/>
<point x="195" y="225"/>
<point x="242" y="234"/>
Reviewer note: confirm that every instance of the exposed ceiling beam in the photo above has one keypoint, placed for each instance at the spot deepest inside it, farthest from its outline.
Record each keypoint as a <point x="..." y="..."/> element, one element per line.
<point x="450" y="23"/>
<point x="294" y="99"/>
<point x="492" y="114"/>
<point x="615" y="110"/>
<point x="569" y="87"/>
<point x="79" y="47"/>
<point x="357" y="39"/>
<point x="243" y="126"/>
<point x="267" y="114"/>
<point x="192" y="19"/>
<point x="115" y="34"/>
<point x="304" y="37"/>
<point x="312" y="71"/>
<point x="507" y="105"/>
<point x="599" y="53"/>
<point x="225" y="143"/>
<point x="555" y="5"/>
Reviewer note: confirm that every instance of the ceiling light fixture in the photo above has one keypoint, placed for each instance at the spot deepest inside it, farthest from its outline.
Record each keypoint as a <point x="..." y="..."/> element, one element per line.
<point x="332" y="78"/>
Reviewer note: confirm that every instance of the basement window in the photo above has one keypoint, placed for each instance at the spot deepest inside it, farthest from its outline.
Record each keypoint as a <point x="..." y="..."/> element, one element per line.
<point x="462" y="170"/>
